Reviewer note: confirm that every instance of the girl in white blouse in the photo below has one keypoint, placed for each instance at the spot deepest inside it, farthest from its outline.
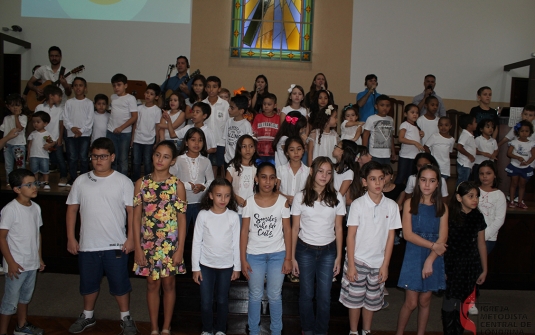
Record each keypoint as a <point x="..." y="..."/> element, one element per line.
<point x="293" y="175"/>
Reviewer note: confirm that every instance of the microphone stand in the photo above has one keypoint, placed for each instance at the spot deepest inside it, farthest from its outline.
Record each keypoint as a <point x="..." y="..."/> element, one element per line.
<point x="166" y="84"/>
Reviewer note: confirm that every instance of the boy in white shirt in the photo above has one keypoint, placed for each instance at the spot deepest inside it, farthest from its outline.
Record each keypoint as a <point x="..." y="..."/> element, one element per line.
<point x="371" y="223"/>
<point x="53" y="107"/>
<point x="428" y="122"/>
<point x="236" y="126"/>
<point x="466" y="148"/>
<point x="217" y="122"/>
<point x="105" y="199"/>
<point x="20" y="243"/>
<point x="38" y="157"/>
<point x="123" y="117"/>
<point x="78" y="120"/>
<point x="145" y="132"/>
<point x="15" y="148"/>
<point x="378" y="132"/>
<point x="200" y="112"/>
<point x="100" y="117"/>
<point x="440" y="145"/>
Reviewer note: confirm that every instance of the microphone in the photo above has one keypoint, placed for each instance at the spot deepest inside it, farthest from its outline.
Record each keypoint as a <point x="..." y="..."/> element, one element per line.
<point x="172" y="66"/>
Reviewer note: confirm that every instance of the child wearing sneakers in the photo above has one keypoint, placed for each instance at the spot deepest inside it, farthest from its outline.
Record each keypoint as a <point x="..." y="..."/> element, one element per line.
<point x="371" y="223"/>
<point x="20" y="243"/>
<point x="38" y="156"/>
<point x="105" y="199"/>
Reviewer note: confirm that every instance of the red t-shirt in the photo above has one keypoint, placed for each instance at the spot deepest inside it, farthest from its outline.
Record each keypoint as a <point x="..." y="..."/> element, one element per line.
<point x="265" y="129"/>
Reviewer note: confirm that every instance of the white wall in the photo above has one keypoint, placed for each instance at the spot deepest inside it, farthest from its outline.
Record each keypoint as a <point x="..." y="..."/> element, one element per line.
<point x="140" y="50"/>
<point x="465" y="44"/>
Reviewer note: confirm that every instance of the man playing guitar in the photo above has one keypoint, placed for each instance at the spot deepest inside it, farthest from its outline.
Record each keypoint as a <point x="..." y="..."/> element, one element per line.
<point x="53" y="72"/>
<point x="180" y="82"/>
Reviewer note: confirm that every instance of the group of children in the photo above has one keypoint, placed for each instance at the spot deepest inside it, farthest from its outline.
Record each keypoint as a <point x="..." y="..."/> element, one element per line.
<point x="289" y="182"/>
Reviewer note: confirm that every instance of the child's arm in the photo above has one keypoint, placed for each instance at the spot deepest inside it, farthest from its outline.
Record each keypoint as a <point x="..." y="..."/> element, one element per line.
<point x="296" y="222"/>
<point x="208" y="176"/>
<point x="132" y="134"/>
<point x="351" y="238"/>
<point x="29" y="150"/>
<point x="236" y="229"/>
<point x="401" y="199"/>
<point x="196" y="247"/>
<point x="244" y="239"/>
<point x="59" y="142"/>
<point x="339" y="233"/>
<point x="287" y="231"/>
<point x="439" y="247"/>
<point x="494" y="155"/>
<point x="72" y="243"/>
<point x="139" y="255"/>
<point x="426" y="148"/>
<point x="513" y="156"/>
<point x="178" y="256"/>
<point x="503" y="141"/>
<point x="365" y="137"/>
<point x="41" y="262"/>
<point x="11" y="135"/>
<point x="14" y="269"/>
<point x="528" y="162"/>
<point x="393" y="156"/>
<point x="18" y="125"/>
<point x="130" y="122"/>
<point x="357" y="134"/>
<point x="482" y="248"/>
<point x="427" y="270"/>
<point x="128" y="245"/>
<point x="354" y="123"/>
<point x="383" y="271"/>
<point x="402" y="139"/>
<point x="171" y="126"/>
<point x="462" y="150"/>
<point x="344" y="187"/>
<point x="310" y="145"/>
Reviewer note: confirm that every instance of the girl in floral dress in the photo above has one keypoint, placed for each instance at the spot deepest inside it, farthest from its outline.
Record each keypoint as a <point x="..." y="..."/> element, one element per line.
<point x="160" y="225"/>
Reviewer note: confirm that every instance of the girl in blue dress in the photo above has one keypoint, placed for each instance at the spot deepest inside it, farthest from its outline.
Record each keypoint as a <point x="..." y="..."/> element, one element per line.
<point x="425" y="228"/>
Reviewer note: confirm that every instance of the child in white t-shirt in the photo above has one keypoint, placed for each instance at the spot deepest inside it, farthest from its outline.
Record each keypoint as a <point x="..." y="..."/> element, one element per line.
<point x="322" y="137"/>
<point x="428" y="122"/>
<point x="410" y="137"/>
<point x="236" y="125"/>
<point x="100" y="117"/>
<point x="292" y="175"/>
<point x="265" y="247"/>
<point x="20" y="241"/>
<point x="351" y="128"/>
<point x="440" y="145"/>
<point x="371" y="223"/>
<point x="293" y="125"/>
<point x="466" y="147"/>
<point x="486" y="146"/>
<point x="295" y="102"/>
<point x="378" y="132"/>
<point x="37" y="155"/>
<point x="146" y="132"/>
<point x="15" y="148"/>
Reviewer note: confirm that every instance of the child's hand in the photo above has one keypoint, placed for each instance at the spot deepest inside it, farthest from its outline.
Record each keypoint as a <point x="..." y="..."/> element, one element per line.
<point x="41" y="265"/>
<point x="235" y="275"/>
<point x="178" y="257"/>
<point x="337" y="265"/>
<point x="494" y="157"/>
<point x="471" y="158"/>
<point x="295" y="268"/>
<point x="393" y="157"/>
<point x="352" y="274"/>
<point x="73" y="246"/>
<point x="481" y="279"/>
<point x="286" y="266"/>
<point x="422" y="133"/>
<point x="245" y="268"/>
<point x="139" y="257"/>
<point x="439" y="248"/>
<point x="128" y="246"/>
<point x="197" y="277"/>
<point x="427" y="270"/>
<point x="419" y="146"/>
<point x="14" y="270"/>
<point x="117" y="130"/>
<point x="166" y="116"/>
<point x="13" y="133"/>
<point x="197" y="188"/>
<point x="383" y="274"/>
<point x="290" y="199"/>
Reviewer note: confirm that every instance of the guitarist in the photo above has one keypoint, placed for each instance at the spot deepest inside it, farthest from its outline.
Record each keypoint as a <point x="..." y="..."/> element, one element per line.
<point x="53" y="72"/>
<point x="181" y="82"/>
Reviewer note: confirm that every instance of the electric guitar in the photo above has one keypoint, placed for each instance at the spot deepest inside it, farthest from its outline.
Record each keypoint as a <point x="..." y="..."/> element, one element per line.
<point x="188" y="78"/>
<point x="33" y="99"/>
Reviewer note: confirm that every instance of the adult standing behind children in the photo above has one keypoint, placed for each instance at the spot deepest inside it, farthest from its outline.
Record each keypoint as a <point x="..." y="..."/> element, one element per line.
<point x="319" y="83"/>
<point x="429" y="89"/>
<point x="123" y="117"/>
<point x="181" y="82"/>
<point x="52" y="72"/>
<point x="366" y="98"/>
<point x="104" y="198"/>
<point x="259" y="92"/>
<point x="20" y="243"/>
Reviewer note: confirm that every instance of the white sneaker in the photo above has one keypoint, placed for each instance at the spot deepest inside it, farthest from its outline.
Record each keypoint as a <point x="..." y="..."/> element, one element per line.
<point x="206" y="333"/>
<point x="220" y="333"/>
<point x="473" y="310"/>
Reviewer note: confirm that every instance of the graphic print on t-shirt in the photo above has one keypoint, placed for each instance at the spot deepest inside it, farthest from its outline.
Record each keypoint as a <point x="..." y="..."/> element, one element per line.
<point x="265" y="225"/>
<point x="246" y="181"/>
<point x="382" y="131"/>
<point x="233" y="134"/>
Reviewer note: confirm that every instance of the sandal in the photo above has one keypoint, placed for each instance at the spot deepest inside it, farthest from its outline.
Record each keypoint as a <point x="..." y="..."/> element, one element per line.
<point x="155" y="332"/>
<point x="166" y="331"/>
<point x="511" y="205"/>
<point x="522" y="205"/>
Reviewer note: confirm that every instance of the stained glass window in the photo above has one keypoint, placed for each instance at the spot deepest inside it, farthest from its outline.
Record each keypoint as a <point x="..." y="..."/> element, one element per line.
<point x="272" y="29"/>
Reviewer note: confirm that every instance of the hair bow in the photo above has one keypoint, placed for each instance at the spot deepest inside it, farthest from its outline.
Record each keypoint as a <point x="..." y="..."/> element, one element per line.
<point x="518" y="126"/>
<point x="329" y="110"/>
<point x="239" y="91"/>
<point x="292" y="120"/>
<point x="291" y="88"/>
<point x="348" y="107"/>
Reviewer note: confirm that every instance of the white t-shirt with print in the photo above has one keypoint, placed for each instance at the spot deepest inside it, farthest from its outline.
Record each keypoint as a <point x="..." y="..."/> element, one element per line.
<point x="232" y="132"/>
<point x="38" y="141"/>
<point x="103" y="202"/>
<point x="522" y="149"/>
<point x="381" y="130"/>
<point x="243" y="185"/>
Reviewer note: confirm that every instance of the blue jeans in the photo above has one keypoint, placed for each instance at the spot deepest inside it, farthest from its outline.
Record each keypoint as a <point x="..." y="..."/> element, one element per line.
<point x="217" y="280"/>
<point x="315" y="262"/>
<point x="10" y="154"/>
<point x="141" y="153"/>
<point x="18" y="291"/>
<point x="191" y="215"/>
<point x="262" y="266"/>
<point x="384" y="161"/>
<point x="121" y="142"/>
<point x="78" y="150"/>
<point x="463" y="174"/>
<point x="405" y="166"/>
<point x="490" y="246"/>
<point x="56" y="157"/>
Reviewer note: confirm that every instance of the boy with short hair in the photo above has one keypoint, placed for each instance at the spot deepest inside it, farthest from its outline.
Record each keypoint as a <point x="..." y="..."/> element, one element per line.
<point x="236" y="126"/>
<point x="372" y="221"/>
<point x="428" y="122"/>
<point x="216" y="123"/>
<point x="123" y="117"/>
<point x="20" y="243"/>
<point x="100" y="117"/>
<point x="466" y="148"/>
<point x="265" y="127"/>
<point x="440" y="145"/>
<point x="145" y="132"/>
<point x="224" y="94"/>
<point x="378" y="131"/>
<point x="78" y="120"/>
<point x="200" y="112"/>
<point x="15" y="149"/>
<point x="104" y="198"/>
<point x="38" y="157"/>
<point x="53" y="107"/>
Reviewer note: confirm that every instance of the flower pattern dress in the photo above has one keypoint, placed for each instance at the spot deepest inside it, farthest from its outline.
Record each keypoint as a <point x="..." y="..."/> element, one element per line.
<point x="159" y="226"/>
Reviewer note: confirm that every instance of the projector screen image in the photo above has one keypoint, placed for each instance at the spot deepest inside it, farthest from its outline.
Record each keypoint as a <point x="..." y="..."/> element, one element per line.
<point x="170" y="11"/>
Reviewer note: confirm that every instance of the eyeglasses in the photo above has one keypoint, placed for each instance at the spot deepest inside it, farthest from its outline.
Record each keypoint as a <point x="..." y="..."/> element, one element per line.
<point x="337" y="146"/>
<point x="99" y="157"/>
<point x="30" y="185"/>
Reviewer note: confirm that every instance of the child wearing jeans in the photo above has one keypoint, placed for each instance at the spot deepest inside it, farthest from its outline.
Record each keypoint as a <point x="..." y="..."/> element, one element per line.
<point x="15" y="149"/>
<point x="38" y="156"/>
<point x="371" y="223"/>
<point x="20" y="243"/>
<point x="466" y="147"/>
